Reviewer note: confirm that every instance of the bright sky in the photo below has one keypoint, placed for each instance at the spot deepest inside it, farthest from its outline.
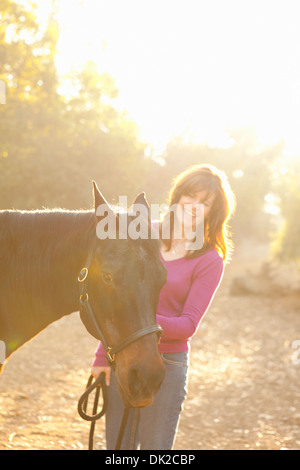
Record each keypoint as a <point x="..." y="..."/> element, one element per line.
<point x="200" y="66"/>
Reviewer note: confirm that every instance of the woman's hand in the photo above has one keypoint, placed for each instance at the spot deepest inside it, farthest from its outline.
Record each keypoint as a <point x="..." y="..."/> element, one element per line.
<point x="96" y="371"/>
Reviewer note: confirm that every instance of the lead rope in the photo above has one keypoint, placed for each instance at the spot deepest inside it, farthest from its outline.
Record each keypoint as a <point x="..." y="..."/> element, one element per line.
<point x="99" y="384"/>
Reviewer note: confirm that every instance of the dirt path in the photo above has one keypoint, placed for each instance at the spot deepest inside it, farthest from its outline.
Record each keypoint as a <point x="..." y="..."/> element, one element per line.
<point x="243" y="382"/>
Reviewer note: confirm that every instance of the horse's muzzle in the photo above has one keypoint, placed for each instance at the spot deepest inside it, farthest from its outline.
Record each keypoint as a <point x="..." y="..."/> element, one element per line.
<point x="141" y="383"/>
<point x="144" y="384"/>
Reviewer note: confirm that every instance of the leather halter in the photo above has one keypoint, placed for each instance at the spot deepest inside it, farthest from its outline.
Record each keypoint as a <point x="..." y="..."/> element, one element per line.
<point x="85" y="304"/>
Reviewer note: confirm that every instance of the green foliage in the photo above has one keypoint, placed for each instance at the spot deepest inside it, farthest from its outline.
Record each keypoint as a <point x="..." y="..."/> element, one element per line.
<point x="52" y="147"/>
<point x="286" y="243"/>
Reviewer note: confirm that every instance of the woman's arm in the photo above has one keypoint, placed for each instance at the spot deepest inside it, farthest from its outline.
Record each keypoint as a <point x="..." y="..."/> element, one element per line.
<point x="100" y="364"/>
<point x="100" y="357"/>
<point x="204" y="285"/>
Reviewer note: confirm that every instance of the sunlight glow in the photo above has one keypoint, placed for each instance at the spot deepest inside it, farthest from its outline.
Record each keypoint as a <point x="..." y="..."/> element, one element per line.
<point x="192" y="67"/>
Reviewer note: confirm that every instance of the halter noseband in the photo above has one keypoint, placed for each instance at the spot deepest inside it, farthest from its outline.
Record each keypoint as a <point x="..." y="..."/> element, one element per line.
<point x="85" y="304"/>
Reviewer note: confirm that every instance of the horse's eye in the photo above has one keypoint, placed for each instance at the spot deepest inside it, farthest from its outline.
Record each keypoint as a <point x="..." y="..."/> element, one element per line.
<point x="107" y="278"/>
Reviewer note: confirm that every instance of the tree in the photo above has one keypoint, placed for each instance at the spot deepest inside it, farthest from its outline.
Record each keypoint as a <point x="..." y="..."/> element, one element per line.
<point x="286" y="245"/>
<point x="51" y="144"/>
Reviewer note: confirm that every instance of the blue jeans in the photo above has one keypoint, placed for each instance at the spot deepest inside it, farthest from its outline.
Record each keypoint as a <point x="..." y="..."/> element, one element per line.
<point x="153" y="427"/>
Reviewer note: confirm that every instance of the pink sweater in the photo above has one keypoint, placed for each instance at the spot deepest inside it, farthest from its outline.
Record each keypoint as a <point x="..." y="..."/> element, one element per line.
<point x="183" y="301"/>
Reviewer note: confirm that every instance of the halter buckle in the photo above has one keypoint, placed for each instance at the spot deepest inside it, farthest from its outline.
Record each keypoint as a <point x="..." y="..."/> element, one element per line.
<point x="83" y="274"/>
<point x="110" y="357"/>
<point x="83" y="298"/>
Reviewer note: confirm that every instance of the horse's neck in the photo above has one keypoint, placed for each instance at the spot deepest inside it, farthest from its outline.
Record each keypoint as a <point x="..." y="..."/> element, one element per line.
<point x="71" y="257"/>
<point x="48" y="290"/>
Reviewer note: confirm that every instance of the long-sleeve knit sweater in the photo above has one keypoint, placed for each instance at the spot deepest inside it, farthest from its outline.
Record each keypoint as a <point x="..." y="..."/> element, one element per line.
<point x="183" y="301"/>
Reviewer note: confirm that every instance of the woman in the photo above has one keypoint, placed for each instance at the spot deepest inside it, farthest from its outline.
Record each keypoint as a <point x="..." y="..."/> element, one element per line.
<point x="194" y="274"/>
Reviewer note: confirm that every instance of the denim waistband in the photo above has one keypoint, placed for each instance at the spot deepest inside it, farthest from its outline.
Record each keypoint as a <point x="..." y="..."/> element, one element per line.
<point x="180" y="358"/>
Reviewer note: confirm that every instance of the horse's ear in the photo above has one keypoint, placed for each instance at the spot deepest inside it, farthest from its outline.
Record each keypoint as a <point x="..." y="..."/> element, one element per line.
<point x="98" y="196"/>
<point x="99" y="199"/>
<point x="141" y="199"/>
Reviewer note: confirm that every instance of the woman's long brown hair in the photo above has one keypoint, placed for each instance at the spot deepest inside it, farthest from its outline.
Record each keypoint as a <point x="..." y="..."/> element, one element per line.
<point x="216" y="230"/>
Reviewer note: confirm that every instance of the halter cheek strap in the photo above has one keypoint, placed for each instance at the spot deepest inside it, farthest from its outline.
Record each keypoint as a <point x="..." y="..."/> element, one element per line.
<point x="85" y="304"/>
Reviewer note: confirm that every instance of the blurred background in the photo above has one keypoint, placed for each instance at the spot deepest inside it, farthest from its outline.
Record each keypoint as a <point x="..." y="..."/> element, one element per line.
<point x="131" y="93"/>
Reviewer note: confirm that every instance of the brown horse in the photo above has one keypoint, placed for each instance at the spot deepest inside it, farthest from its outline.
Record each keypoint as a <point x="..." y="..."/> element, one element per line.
<point x="41" y="255"/>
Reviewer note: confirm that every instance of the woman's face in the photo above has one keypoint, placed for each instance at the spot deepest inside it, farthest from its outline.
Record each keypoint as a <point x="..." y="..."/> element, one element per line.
<point x="191" y="209"/>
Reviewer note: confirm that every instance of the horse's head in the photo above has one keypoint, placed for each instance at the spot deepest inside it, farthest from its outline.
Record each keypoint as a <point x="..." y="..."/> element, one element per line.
<point x="125" y="279"/>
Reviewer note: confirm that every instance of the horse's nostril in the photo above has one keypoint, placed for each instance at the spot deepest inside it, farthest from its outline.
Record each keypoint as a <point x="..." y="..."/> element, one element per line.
<point x="135" y="381"/>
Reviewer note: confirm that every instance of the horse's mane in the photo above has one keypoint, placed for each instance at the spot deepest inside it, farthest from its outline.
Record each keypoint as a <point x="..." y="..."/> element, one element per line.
<point x="23" y="229"/>
<point x="32" y="242"/>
